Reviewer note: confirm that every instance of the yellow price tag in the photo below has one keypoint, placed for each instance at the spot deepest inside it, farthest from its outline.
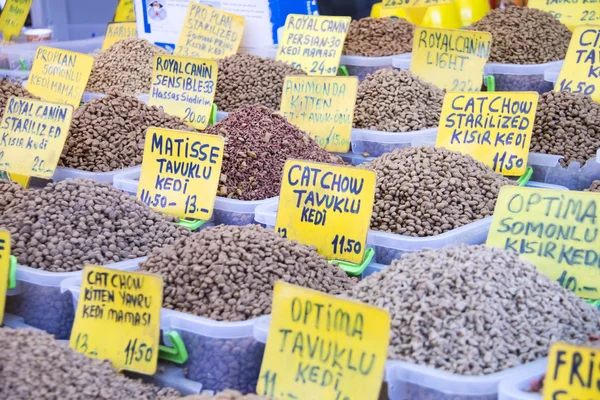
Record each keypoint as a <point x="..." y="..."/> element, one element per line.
<point x="118" y="318"/>
<point x="209" y="33"/>
<point x="558" y="231"/>
<point x="327" y="206"/>
<point x="323" y="347"/>
<point x="59" y="75"/>
<point x="572" y="373"/>
<point x="180" y="172"/>
<point x="184" y="87"/>
<point x="32" y="136"/>
<point x="313" y="43"/>
<point x="4" y="269"/>
<point x="323" y="107"/>
<point x="572" y="14"/>
<point x="494" y="128"/>
<point x="391" y="4"/>
<point x="580" y="72"/>
<point x="451" y="59"/>
<point x="125" y="11"/>
<point x="14" y="15"/>
<point x="118" y="31"/>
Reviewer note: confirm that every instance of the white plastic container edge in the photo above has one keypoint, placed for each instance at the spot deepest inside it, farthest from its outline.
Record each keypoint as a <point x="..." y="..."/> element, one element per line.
<point x="519" y="69"/>
<point x="62" y="173"/>
<point x="551" y="74"/>
<point x="514" y="388"/>
<point x="382" y="137"/>
<point x="358" y="61"/>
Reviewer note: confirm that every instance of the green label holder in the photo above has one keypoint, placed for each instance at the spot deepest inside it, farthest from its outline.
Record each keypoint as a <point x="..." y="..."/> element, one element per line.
<point x="343" y="71"/>
<point x="191" y="224"/>
<point x="356" y="269"/>
<point x="178" y="353"/>
<point x="12" y="273"/>
<point x="490" y="83"/>
<point x="212" y="118"/>
<point x="524" y="179"/>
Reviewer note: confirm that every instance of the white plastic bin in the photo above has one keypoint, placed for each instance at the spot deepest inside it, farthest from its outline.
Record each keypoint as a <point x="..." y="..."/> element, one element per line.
<point x="551" y="75"/>
<point x="547" y="169"/>
<point x="39" y="301"/>
<point x="226" y="211"/>
<point x="376" y="143"/>
<point x="514" y="388"/>
<point x="520" y="78"/>
<point x="14" y="322"/>
<point x="62" y="173"/>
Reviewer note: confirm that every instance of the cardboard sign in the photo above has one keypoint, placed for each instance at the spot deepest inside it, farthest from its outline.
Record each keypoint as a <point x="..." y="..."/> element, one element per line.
<point x="323" y="107"/>
<point x="313" y="43"/>
<point x="323" y="347"/>
<point x="494" y="128"/>
<point x="118" y="31"/>
<point x="180" y="172"/>
<point x="184" y="87"/>
<point x="118" y="318"/>
<point x="125" y="11"/>
<point x="391" y="4"/>
<point x="572" y="373"/>
<point x="209" y="33"/>
<point x="4" y="269"/>
<point x="14" y="15"/>
<point x="32" y="136"/>
<point x="580" y="72"/>
<point x="327" y="206"/>
<point x="570" y="13"/>
<point x="59" y="75"/>
<point x="557" y="231"/>
<point x="451" y="59"/>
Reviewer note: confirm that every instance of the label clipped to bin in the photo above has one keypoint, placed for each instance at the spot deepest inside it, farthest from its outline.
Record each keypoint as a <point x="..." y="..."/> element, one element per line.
<point x="32" y="136"/>
<point x="451" y="59"/>
<point x="572" y="373"/>
<point x="323" y="107"/>
<point x="59" y="75"/>
<point x="327" y="206"/>
<point x="4" y="268"/>
<point x="323" y="347"/>
<point x="14" y="15"/>
<point x="180" y="172"/>
<point x="118" y="31"/>
<point x="580" y="72"/>
<point x="209" y="33"/>
<point x="118" y="318"/>
<point x="125" y="11"/>
<point x="557" y="231"/>
<point x="494" y="128"/>
<point x="313" y="43"/>
<point x="571" y="13"/>
<point x="184" y="87"/>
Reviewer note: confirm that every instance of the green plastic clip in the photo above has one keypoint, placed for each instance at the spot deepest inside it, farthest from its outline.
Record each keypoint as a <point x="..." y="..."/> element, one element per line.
<point x="22" y="64"/>
<point x="524" y="179"/>
<point x="343" y="71"/>
<point x="178" y="353"/>
<point x="356" y="269"/>
<point x="212" y="119"/>
<point x="12" y="273"/>
<point x="490" y="83"/>
<point x="594" y="303"/>
<point x="191" y="224"/>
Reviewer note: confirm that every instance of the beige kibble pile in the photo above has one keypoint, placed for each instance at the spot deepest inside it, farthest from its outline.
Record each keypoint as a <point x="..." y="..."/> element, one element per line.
<point x="379" y="37"/>
<point x="11" y="194"/>
<point x="595" y="187"/>
<point x="9" y="89"/>
<point x="226" y="395"/>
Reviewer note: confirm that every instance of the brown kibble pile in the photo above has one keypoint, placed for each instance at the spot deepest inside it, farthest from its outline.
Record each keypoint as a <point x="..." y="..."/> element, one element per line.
<point x="36" y="366"/>
<point x="226" y="395"/>
<point x="125" y="68"/>
<point x="524" y="35"/>
<point x="595" y="187"/>
<point x="11" y="194"/>
<point x="566" y="124"/>
<point x="69" y="224"/>
<point x="227" y="273"/>
<point x="425" y="191"/>
<point x="379" y="37"/>
<point x="9" y="89"/>
<point x="246" y="80"/>
<point x="474" y="310"/>
<point x="397" y="101"/>
<point x="257" y="144"/>
<point x="109" y="133"/>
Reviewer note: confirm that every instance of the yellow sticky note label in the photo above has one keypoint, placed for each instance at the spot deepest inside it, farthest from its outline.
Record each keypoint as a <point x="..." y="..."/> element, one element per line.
<point x="125" y="11"/>
<point x="323" y="347"/>
<point x="118" y="318"/>
<point x="323" y="107"/>
<point x="570" y="13"/>
<point x="32" y="136"/>
<point x="572" y="373"/>
<point x="4" y="269"/>
<point x="313" y="43"/>
<point x="180" y="172"/>
<point x="209" y="33"/>
<point x="327" y="206"/>
<point x="118" y="31"/>
<point x="59" y="75"/>
<point x="557" y="231"/>
<point x="391" y="4"/>
<point x="184" y="87"/>
<point x="580" y="72"/>
<point x="494" y="128"/>
<point x="14" y="15"/>
<point x="451" y="59"/>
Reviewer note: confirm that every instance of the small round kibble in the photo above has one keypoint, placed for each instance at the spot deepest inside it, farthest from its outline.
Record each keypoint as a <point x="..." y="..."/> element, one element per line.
<point x="11" y="194"/>
<point x="474" y="310"/>
<point x="246" y="80"/>
<point x="76" y="222"/>
<point x="568" y="125"/>
<point x="426" y="191"/>
<point x="595" y="187"/>
<point x="379" y="37"/>
<point x="524" y="35"/>
<point x="10" y="89"/>
<point x="397" y="101"/>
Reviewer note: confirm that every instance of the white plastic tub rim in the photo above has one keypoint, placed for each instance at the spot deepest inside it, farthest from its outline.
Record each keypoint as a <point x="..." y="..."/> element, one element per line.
<point x="383" y="137"/>
<point x="513" y="387"/>
<point x="551" y="74"/>
<point x="519" y="69"/>
<point x="62" y="173"/>
<point x="575" y="176"/>
<point x="401" y="62"/>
